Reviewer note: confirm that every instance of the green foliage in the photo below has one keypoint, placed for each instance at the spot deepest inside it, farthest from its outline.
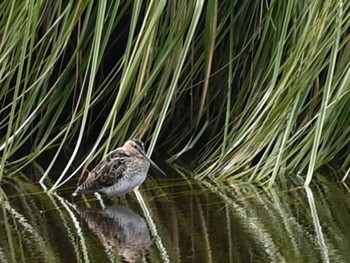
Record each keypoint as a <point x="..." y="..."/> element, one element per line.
<point x="257" y="89"/>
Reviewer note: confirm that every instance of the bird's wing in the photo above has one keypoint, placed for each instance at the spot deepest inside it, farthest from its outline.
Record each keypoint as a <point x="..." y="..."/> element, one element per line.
<point x="113" y="162"/>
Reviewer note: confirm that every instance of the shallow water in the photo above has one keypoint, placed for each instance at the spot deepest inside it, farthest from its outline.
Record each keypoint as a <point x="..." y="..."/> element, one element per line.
<point x="176" y="221"/>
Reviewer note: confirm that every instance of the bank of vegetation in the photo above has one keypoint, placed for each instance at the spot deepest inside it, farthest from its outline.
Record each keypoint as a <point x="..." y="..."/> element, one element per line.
<point x="252" y="90"/>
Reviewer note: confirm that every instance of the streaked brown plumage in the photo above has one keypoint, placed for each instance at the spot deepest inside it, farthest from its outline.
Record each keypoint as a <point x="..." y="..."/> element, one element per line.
<point x="120" y="172"/>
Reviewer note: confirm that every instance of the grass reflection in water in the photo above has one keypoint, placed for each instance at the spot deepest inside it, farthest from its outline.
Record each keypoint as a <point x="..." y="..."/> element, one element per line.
<point x="176" y="220"/>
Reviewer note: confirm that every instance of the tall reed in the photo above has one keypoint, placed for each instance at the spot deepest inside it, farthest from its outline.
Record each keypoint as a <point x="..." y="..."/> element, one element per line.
<point x="255" y="90"/>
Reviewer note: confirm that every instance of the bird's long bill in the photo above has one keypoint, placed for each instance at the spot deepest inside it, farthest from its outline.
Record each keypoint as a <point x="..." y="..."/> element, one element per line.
<point x="153" y="163"/>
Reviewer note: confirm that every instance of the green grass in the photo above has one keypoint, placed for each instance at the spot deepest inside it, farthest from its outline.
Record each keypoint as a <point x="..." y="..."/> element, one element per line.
<point x="255" y="91"/>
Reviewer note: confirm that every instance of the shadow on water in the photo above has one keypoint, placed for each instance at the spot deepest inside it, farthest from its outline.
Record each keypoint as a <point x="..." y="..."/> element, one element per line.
<point x="176" y="221"/>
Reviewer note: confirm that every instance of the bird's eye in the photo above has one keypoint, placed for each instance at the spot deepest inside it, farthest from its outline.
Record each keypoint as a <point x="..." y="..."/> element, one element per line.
<point x="137" y="144"/>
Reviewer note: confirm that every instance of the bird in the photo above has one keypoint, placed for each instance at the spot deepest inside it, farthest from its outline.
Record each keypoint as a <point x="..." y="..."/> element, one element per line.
<point x="120" y="172"/>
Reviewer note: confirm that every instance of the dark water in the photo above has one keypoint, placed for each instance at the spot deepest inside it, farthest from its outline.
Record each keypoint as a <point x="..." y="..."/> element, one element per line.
<point x="176" y="221"/>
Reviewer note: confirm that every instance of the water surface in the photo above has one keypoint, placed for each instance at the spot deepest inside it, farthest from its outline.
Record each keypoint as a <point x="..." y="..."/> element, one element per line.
<point x="176" y="220"/>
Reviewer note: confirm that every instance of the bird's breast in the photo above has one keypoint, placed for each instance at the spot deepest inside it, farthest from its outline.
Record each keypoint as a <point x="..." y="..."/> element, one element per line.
<point x="137" y="166"/>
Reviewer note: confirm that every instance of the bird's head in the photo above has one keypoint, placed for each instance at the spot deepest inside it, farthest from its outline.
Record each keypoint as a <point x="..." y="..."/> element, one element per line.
<point x="137" y="148"/>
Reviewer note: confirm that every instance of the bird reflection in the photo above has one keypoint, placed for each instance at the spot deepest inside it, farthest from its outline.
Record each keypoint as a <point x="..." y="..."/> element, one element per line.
<point x="121" y="230"/>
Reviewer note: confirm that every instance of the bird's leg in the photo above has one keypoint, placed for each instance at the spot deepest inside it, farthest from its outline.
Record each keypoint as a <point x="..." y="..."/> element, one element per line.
<point x="118" y="200"/>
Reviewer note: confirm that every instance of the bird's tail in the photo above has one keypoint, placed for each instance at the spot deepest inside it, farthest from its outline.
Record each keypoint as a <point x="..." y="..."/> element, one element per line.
<point x="77" y="191"/>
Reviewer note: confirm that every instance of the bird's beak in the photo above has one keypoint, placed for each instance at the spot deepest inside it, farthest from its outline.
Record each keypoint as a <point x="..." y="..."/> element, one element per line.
<point x="153" y="163"/>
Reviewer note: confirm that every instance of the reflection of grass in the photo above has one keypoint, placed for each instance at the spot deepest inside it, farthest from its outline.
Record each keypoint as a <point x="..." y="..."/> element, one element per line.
<point x="256" y="90"/>
<point x="21" y="234"/>
<point x="152" y="226"/>
<point x="46" y="228"/>
<point x="200" y="222"/>
<point x="289" y="226"/>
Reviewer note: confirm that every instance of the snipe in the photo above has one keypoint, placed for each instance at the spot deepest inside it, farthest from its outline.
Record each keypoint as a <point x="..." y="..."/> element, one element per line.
<point x="124" y="169"/>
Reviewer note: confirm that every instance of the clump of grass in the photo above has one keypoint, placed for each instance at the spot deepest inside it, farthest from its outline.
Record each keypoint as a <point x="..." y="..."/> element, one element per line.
<point x="256" y="89"/>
